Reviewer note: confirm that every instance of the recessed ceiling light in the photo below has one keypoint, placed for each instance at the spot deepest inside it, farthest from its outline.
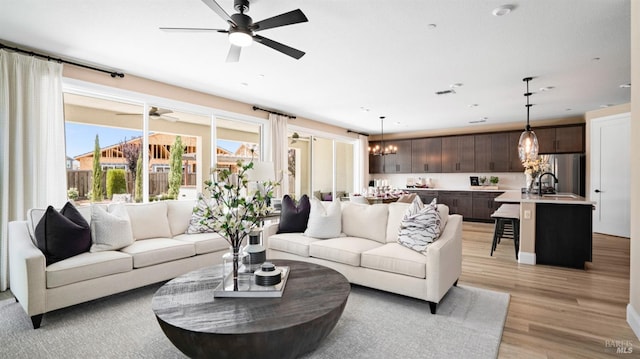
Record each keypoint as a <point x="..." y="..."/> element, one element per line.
<point x="398" y="123"/>
<point x="364" y="109"/>
<point x="502" y="10"/>
<point x="473" y="105"/>
<point x="244" y="83"/>
<point x="457" y="84"/>
<point x="626" y="86"/>
<point x="432" y="26"/>
<point x="567" y="109"/>
<point x="605" y="106"/>
<point x="595" y="59"/>
<point x="545" y="89"/>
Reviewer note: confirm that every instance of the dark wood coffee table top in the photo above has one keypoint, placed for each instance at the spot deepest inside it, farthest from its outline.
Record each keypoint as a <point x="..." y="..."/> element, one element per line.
<point x="312" y="302"/>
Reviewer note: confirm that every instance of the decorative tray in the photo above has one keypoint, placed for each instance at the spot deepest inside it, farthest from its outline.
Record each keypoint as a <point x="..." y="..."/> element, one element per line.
<point x="254" y="291"/>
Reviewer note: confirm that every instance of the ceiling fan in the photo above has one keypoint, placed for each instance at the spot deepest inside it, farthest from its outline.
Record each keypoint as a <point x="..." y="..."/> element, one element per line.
<point x="242" y="30"/>
<point x="155" y="114"/>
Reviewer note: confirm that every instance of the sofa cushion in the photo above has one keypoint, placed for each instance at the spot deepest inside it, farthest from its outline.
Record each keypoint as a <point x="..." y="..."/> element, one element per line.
<point x="149" y="220"/>
<point x="396" y="213"/>
<point x="345" y="250"/>
<point x="179" y="215"/>
<point x="395" y="258"/>
<point x="87" y="266"/>
<point x="201" y="220"/>
<point x="418" y="230"/>
<point x="324" y="222"/>
<point x="295" y="243"/>
<point x="148" y="252"/>
<point x="294" y="218"/>
<point x="63" y="234"/>
<point x="365" y="221"/>
<point x="110" y="230"/>
<point x="443" y="210"/>
<point x="205" y="242"/>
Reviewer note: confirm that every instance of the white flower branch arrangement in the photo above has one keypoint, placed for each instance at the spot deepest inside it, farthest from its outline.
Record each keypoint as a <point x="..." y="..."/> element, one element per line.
<point x="234" y="210"/>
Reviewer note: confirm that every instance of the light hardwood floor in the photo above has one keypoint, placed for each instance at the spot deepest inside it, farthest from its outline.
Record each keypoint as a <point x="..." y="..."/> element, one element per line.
<point x="555" y="312"/>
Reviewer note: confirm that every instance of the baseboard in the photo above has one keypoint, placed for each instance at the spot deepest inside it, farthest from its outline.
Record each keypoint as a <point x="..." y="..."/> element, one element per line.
<point x="633" y="318"/>
<point x="527" y="258"/>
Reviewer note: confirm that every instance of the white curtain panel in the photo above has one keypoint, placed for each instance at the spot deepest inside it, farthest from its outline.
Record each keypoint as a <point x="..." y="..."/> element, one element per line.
<point x="279" y="152"/>
<point x="32" y="142"/>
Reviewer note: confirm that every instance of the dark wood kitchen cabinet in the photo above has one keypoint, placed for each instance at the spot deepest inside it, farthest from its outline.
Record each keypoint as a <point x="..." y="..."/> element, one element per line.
<point x="484" y="205"/>
<point x="426" y="196"/>
<point x="458" y="154"/>
<point x="515" y="165"/>
<point x="400" y="162"/>
<point x="459" y="202"/>
<point x="561" y="139"/>
<point x="564" y="234"/>
<point x="492" y="152"/>
<point x="375" y="162"/>
<point x="426" y="155"/>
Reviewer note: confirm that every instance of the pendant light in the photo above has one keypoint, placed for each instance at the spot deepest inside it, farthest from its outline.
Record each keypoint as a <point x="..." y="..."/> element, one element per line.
<point x="528" y="144"/>
<point x="381" y="150"/>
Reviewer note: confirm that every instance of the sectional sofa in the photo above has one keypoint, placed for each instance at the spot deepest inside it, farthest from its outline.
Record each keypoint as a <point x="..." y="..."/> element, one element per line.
<point x="367" y="251"/>
<point x="161" y="251"/>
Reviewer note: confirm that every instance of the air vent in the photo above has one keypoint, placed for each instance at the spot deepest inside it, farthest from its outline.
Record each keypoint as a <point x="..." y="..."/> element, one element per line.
<point x="445" y="92"/>
<point x="482" y="119"/>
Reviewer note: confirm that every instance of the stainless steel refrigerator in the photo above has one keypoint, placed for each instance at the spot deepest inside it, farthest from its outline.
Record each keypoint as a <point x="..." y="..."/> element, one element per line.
<point x="570" y="171"/>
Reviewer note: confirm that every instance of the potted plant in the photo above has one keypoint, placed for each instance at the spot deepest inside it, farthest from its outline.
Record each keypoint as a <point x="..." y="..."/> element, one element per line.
<point x="494" y="180"/>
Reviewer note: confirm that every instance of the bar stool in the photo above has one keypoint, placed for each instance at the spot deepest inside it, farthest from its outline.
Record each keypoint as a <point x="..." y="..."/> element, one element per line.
<point x="507" y="225"/>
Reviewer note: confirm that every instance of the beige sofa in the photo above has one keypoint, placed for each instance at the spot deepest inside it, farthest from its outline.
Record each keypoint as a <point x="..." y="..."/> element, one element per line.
<point x="367" y="252"/>
<point x="161" y="251"/>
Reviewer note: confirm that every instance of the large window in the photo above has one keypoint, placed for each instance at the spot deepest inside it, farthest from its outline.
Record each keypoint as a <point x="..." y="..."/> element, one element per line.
<point x="320" y="166"/>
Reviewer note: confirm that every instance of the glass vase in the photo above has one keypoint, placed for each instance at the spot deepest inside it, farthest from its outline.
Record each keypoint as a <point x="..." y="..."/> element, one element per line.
<point x="531" y="181"/>
<point x="232" y="276"/>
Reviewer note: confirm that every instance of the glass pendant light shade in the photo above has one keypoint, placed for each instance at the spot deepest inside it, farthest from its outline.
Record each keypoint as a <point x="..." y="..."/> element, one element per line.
<point x="528" y="145"/>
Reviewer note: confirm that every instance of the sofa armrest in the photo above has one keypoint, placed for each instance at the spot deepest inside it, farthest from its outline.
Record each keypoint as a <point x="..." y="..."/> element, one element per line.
<point x="444" y="259"/>
<point x="27" y="276"/>
<point x="268" y="231"/>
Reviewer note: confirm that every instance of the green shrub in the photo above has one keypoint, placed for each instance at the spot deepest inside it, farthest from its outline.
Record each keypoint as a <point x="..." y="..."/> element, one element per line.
<point x="116" y="182"/>
<point x="72" y="193"/>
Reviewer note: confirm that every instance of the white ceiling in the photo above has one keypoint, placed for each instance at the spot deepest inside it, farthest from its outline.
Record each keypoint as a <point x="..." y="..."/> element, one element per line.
<point x="379" y="55"/>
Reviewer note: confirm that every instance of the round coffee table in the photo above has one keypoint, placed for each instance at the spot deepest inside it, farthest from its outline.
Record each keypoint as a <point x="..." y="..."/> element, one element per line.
<point x="202" y="326"/>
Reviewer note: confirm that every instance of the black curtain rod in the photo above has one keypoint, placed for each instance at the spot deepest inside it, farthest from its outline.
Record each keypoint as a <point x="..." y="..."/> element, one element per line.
<point x="113" y="74"/>
<point x="359" y="133"/>
<point x="256" y="108"/>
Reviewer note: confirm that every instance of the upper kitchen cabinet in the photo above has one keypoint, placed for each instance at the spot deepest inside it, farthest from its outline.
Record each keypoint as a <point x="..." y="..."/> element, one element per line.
<point x="515" y="165"/>
<point x="426" y="155"/>
<point x="458" y="154"/>
<point x="400" y="162"/>
<point x="562" y="139"/>
<point x="492" y="152"/>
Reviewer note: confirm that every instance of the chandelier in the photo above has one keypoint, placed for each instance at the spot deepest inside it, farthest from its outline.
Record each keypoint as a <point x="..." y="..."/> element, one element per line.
<point x="528" y="143"/>
<point x="380" y="149"/>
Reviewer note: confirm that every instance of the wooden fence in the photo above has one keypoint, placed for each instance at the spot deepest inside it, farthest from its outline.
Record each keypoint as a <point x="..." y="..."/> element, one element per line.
<point x="158" y="182"/>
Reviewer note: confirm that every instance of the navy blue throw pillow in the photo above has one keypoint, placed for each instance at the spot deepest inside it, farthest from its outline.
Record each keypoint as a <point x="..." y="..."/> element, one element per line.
<point x="294" y="218"/>
<point x="63" y="234"/>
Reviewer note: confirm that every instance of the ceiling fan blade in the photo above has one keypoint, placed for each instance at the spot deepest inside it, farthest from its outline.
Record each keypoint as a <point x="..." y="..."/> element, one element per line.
<point x="160" y="111"/>
<point x="190" y="29"/>
<point x="234" y="53"/>
<point x="167" y="118"/>
<point x="219" y="10"/>
<point x="295" y="53"/>
<point x="288" y="18"/>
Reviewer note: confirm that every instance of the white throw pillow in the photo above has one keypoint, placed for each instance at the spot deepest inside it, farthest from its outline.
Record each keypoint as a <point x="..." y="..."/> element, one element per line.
<point x="418" y="230"/>
<point x="324" y="222"/>
<point x="110" y="230"/>
<point x="201" y="218"/>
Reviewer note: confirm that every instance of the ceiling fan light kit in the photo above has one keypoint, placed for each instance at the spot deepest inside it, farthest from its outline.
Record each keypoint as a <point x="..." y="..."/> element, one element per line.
<point x="242" y="30"/>
<point x="528" y="143"/>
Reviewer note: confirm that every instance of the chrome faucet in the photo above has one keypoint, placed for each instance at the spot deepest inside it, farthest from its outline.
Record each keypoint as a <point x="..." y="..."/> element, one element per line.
<point x="549" y="189"/>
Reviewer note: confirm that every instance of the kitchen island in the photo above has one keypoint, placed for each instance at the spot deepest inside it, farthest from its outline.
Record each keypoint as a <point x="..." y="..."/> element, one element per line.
<point x="555" y="229"/>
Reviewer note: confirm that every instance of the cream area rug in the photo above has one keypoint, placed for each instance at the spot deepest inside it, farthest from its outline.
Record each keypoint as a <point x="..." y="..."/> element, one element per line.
<point x="375" y="324"/>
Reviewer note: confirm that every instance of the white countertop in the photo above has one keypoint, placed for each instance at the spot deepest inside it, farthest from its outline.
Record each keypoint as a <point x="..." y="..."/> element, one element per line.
<point x="559" y="198"/>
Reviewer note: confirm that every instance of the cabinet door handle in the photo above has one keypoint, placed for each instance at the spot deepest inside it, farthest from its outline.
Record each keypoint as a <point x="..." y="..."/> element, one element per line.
<point x="426" y="167"/>
<point x="598" y="191"/>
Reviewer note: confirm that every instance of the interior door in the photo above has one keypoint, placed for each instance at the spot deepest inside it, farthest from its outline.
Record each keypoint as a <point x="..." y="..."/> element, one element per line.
<point x="610" y="179"/>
